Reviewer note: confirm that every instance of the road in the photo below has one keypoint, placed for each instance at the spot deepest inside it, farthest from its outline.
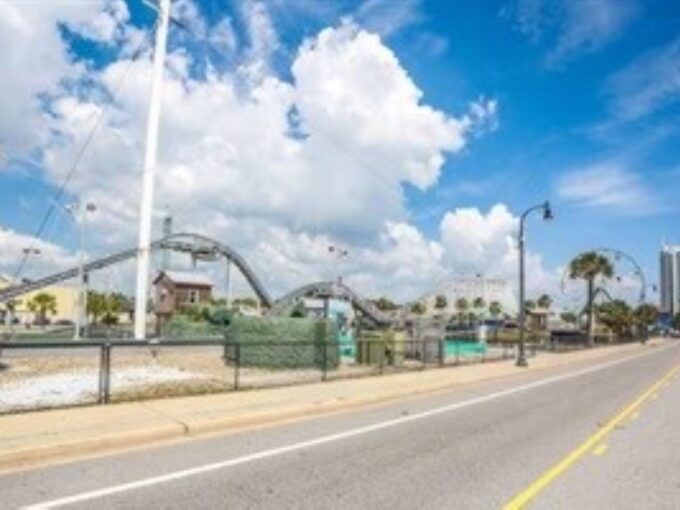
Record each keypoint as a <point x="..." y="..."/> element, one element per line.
<point x="602" y="435"/>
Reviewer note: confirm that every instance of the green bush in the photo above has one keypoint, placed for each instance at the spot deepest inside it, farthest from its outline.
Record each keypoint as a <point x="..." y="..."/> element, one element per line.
<point x="282" y="343"/>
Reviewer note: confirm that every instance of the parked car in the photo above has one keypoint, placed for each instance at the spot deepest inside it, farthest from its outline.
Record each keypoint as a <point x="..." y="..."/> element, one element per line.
<point x="64" y="322"/>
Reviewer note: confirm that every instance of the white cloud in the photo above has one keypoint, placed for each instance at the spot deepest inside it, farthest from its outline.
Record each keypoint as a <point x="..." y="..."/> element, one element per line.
<point x="49" y="259"/>
<point x="234" y="164"/>
<point x="387" y="17"/>
<point x="609" y="186"/>
<point x="571" y="28"/>
<point x="475" y="242"/>
<point x="648" y="84"/>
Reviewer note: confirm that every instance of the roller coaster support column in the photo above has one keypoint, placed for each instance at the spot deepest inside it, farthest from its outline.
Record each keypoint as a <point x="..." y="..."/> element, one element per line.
<point x="228" y="282"/>
<point x="146" y="209"/>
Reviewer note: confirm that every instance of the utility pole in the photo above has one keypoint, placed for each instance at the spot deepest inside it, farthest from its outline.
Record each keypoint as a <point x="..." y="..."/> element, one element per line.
<point x="150" y="158"/>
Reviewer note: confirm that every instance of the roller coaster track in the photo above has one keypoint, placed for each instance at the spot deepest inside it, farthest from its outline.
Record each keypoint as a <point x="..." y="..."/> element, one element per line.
<point x="197" y="245"/>
<point x="202" y="247"/>
<point x="332" y="290"/>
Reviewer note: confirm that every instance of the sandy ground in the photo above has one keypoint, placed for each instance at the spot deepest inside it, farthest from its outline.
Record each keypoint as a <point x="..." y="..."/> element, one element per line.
<point x="35" y="382"/>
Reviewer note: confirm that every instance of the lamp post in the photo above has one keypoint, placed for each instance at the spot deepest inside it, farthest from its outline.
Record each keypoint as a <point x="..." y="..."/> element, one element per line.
<point x="78" y="212"/>
<point x="340" y="254"/>
<point x="547" y="215"/>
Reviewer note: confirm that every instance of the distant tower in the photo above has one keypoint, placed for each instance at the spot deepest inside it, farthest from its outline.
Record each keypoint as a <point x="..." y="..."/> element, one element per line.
<point x="669" y="280"/>
<point x="167" y="230"/>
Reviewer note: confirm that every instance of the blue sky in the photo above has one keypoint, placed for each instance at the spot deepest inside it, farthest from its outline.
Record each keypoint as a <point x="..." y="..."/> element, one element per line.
<point x="586" y="93"/>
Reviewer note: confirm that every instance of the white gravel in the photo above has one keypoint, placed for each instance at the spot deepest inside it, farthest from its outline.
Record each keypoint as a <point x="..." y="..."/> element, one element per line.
<point x="80" y="387"/>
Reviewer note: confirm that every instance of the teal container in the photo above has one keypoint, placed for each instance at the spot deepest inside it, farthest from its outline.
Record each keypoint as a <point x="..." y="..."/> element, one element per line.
<point x="464" y="347"/>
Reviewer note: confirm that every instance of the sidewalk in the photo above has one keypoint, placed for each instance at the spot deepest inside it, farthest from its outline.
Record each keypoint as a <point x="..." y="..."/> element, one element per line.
<point x="40" y="437"/>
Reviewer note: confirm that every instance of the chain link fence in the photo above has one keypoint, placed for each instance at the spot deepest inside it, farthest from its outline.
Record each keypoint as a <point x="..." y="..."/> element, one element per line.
<point x="51" y="374"/>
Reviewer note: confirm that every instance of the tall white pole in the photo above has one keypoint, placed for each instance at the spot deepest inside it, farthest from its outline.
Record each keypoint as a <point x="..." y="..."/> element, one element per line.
<point x="149" y="170"/>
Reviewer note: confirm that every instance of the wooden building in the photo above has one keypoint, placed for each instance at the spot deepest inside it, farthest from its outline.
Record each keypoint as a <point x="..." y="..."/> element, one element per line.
<point x="175" y="290"/>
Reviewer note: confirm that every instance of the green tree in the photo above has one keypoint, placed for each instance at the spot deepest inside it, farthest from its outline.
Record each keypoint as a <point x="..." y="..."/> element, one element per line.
<point x="530" y="304"/>
<point x="105" y="306"/>
<point x="617" y="316"/>
<point x="42" y="304"/>
<point x="418" y="308"/>
<point x="462" y="306"/>
<point x="569" y="317"/>
<point x="544" y="301"/>
<point x="385" y="304"/>
<point x="589" y="266"/>
<point x="96" y="305"/>
<point x="248" y="302"/>
<point x="645" y="315"/>
<point x="440" y="302"/>
<point x="495" y="309"/>
<point x="676" y="321"/>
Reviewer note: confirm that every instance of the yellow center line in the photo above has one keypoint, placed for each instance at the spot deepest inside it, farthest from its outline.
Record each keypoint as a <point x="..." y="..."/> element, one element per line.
<point x="521" y="499"/>
<point x="600" y="449"/>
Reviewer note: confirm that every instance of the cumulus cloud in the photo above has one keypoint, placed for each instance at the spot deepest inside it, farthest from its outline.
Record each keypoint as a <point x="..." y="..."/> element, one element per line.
<point x="278" y="168"/>
<point x="50" y="257"/>
<point x="234" y="151"/>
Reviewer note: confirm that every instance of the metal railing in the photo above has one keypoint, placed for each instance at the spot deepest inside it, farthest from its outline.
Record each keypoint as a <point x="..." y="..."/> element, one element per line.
<point x="192" y="366"/>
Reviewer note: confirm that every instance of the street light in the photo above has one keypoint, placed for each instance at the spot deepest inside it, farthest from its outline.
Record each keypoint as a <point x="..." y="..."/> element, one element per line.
<point x="547" y="215"/>
<point x="340" y="254"/>
<point x="78" y="213"/>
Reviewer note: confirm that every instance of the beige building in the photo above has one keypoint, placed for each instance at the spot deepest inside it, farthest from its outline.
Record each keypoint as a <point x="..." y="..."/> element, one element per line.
<point x="66" y="303"/>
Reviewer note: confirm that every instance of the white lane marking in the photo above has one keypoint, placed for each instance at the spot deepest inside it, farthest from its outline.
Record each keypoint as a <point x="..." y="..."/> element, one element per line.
<point x="281" y="450"/>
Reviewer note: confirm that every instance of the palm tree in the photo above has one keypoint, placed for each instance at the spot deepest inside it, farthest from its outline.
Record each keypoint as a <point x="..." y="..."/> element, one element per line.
<point x="544" y="301"/>
<point x="462" y="306"/>
<point x="41" y="304"/>
<point x="440" y="302"/>
<point x="617" y="316"/>
<point x="589" y="266"/>
<point x="96" y="304"/>
<point x="676" y="321"/>
<point x="385" y="304"/>
<point x="569" y="317"/>
<point x="479" y="306"/>
<point x="645" y="315"/>
<point x="495" y="309"/>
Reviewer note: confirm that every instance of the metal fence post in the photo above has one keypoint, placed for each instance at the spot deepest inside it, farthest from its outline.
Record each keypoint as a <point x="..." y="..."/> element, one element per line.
<point x="424" y="354"/>
<point x="102" y="362"/>
<point x="105" y="374"/>
<point x="324" y="358"/>
<point x="441" y="352"/>
<point x="237" y="364"/>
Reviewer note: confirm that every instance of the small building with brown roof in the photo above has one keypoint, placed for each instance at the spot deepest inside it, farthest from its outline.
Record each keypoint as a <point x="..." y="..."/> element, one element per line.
<point x="175" y="290"/>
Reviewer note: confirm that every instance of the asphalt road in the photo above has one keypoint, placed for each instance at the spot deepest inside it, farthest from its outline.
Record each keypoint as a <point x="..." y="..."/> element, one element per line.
<point x="596" y="436"/>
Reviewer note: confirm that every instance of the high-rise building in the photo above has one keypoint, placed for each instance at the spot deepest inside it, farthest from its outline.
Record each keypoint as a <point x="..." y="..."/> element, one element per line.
<point x="670" y="279"/>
